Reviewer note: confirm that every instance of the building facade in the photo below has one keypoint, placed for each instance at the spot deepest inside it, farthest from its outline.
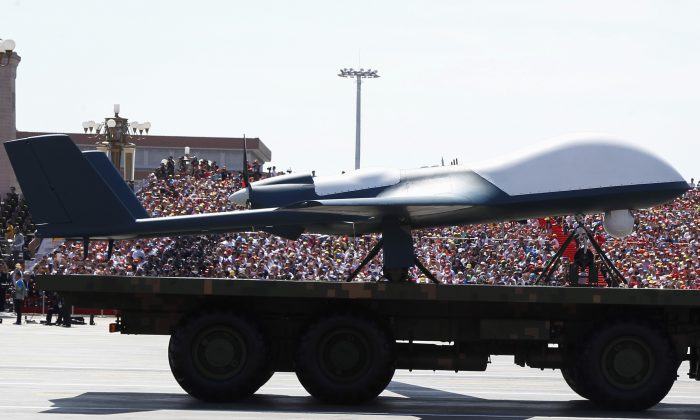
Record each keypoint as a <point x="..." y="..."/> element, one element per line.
<point x="151" y="150"/>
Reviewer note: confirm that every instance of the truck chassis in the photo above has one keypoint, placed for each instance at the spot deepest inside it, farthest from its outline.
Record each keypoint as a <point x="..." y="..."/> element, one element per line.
<point x="620" y="348"/>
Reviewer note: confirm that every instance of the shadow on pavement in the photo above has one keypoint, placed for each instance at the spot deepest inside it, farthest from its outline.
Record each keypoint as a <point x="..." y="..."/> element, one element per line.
<point x="421" y="402"/>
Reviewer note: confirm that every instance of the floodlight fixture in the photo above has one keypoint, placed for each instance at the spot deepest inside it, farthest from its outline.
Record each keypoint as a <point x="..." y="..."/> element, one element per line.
<point x="358" y="75"/>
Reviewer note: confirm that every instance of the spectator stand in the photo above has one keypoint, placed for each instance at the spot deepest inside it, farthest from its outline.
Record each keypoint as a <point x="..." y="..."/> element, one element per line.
<point x="17" y="228"/>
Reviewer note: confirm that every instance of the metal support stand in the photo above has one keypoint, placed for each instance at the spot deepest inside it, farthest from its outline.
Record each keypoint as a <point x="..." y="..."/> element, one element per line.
<point x="607" y="263"/>
<point x="110" y="249"/>
<point x="399" y="253"/>
<point x="86" y="248"/>
<point x="617" y="276"/>
<point x="373" y="253"/>
<point x="549" y="268"/>
<point x="425" y="271"/>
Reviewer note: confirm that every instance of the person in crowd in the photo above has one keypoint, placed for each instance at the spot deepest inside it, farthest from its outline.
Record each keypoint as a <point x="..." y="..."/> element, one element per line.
<point x="170" y="166"/>
<point x="137" y="253"/>
<point x="161" y="172"/>
<point x="9" y="232"/>
<point x="18" y="242"/>
<point x="12" y="197"/>
<point x="20" y="293"/>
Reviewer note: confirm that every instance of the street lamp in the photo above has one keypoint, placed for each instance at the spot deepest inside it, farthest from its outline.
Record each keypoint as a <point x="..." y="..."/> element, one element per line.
<point x="6" y="47"/>
<point x="116" y="135"/>
<point x="358" y="75"/>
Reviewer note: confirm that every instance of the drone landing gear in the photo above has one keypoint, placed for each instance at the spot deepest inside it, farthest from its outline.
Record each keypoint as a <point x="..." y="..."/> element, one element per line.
<point x="397" y="244"/>
<point x="583" y="259"/>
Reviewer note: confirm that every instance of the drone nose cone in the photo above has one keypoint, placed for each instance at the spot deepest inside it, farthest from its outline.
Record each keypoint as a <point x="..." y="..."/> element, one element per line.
<point x="240" y="197"/>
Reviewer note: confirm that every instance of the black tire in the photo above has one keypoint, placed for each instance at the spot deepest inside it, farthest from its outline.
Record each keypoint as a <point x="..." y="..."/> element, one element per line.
<point x="626" y="366"/>
<point x="345" y="359"/>
<point x="264" y="378"/>
<point x="218" y="357"/>
<point x="569" y="377"/>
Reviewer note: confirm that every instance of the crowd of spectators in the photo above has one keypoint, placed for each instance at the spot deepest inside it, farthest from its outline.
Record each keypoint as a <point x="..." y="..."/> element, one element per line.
<point x="662" y="251"/>
<point x="14" y="214"/>
<point x="17" y="227"/>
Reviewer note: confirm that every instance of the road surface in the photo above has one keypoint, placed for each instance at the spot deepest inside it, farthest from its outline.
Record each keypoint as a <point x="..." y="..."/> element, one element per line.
<point x="84" y="372"/>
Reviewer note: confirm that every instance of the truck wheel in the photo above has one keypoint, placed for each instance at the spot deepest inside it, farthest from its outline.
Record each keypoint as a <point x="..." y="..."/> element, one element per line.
<point x="218" y="356"/>
<point x="627" y="366"/>
<point x="345" y="359"/>
<point x="568" y="374"/>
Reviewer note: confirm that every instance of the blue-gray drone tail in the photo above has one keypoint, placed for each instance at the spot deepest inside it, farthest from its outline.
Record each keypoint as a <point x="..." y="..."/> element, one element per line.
<point x="69" y="190"/>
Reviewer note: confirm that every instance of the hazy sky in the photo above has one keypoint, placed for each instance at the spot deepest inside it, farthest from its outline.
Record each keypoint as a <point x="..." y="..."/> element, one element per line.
<point x="459" y="79"/>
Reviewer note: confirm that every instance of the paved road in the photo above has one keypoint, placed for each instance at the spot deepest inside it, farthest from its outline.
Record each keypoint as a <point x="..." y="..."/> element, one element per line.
<point x="84" y="372"/>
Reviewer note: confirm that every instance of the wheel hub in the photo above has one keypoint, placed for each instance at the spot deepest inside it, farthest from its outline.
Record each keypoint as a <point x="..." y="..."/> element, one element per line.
<point x="627" y="363"/>
<point x="344" y="355"/>
<point x="219" y="353"/>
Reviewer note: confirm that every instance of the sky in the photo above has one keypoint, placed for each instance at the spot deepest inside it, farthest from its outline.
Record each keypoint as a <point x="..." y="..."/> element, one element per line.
<point x="459" y="79"/>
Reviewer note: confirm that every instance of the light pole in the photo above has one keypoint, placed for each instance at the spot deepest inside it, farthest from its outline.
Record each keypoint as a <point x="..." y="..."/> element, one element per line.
<point x="114" y="138"/>
<point x="6" y="47"/>
<point x="358" y="75"/>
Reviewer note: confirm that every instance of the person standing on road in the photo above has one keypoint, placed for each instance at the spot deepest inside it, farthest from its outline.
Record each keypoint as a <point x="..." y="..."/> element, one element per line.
<point x="20" y="294"/>
<point x="56" y="308"/>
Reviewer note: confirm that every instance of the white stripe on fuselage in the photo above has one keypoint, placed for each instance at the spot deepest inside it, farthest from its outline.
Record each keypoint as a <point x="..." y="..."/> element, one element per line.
<point x="360" y="179"/>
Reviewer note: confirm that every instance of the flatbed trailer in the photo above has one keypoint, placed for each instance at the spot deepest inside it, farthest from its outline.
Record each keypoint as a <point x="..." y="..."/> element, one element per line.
<point x="620" y="348"/>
